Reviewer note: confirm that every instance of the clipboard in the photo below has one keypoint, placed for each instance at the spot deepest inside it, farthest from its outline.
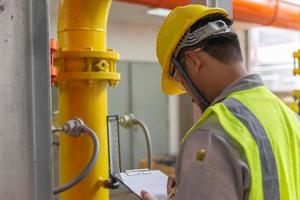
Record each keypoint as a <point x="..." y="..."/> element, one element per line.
<point x="152" y="181"/>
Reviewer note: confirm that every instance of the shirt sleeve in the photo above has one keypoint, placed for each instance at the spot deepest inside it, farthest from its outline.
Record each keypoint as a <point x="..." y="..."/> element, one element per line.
<point x="219" y="174"/>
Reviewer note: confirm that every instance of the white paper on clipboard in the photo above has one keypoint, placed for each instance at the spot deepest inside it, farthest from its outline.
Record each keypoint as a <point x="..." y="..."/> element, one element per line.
<point x="153" y="181"/>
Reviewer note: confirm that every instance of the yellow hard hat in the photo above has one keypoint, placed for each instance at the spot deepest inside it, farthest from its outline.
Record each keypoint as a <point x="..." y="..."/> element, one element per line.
<point x="171" y="31"/>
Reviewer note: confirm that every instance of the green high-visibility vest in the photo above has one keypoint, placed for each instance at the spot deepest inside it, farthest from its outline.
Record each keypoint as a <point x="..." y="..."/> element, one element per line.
<point x="269" y="134"/>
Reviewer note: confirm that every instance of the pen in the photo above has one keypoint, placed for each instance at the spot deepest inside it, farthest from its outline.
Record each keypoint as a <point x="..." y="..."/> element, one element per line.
<point x="170" y="195"/>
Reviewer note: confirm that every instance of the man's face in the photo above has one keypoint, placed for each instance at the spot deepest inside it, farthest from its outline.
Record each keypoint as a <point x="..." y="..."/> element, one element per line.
<point x="192" y="72"/>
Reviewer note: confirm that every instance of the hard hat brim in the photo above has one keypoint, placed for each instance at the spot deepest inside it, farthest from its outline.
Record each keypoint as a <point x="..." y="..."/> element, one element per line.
<point x="169" y="85"/>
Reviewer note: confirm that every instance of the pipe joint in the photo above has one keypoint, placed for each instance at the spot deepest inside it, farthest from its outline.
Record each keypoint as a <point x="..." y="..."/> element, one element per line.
<point x="296" y="70"/>
<point x="97" y="65"/>
<point x="127" y="120"/>
<point x="74" y="127"/>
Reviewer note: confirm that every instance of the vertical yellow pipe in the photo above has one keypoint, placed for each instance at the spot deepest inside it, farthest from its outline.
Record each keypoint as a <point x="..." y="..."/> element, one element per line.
<point x="89" y="103"/>
<point x="82" y="24"/>
<point x="85" y="68"/>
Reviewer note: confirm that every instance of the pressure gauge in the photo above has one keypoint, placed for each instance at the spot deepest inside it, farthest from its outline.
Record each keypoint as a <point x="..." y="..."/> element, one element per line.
<point x="113" y="144"/>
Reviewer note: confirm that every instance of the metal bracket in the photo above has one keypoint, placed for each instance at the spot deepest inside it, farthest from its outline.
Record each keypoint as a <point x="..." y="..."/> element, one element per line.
<point x="112" y="183"/>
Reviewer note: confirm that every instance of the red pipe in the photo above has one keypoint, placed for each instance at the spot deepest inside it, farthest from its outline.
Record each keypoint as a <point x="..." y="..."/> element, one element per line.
<point x="264" y="12"/>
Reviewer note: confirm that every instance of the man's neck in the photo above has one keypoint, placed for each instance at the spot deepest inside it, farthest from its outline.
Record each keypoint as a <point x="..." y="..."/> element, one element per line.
<point x="226" y="76"/>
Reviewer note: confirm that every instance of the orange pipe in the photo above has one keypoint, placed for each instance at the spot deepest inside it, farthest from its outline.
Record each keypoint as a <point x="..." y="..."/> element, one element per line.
<point x="263" y="12"/>
<point x="169" y="4"/>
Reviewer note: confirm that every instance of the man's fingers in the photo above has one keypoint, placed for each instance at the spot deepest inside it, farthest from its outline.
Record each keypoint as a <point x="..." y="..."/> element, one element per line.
<point x="143" y="193"/>
<point x="171" y="183"/>
<point x="173" y="191"/>
<point x="146" y="196"/>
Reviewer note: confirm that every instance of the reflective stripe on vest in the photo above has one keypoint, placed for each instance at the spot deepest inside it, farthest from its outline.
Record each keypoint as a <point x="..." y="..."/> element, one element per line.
<point x="268" y="164"/>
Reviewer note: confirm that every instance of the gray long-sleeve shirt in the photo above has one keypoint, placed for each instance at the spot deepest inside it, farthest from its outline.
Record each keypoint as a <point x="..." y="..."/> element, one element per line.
<point x="222" y="173"/>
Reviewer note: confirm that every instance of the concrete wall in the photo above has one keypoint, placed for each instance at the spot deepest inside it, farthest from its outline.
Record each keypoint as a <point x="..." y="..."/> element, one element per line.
<point x="16" y="155"/>
<point x="25" y="160"/>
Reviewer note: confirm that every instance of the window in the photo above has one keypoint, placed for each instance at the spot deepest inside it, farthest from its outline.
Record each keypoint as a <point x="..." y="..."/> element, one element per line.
<point x="271" y="56"/>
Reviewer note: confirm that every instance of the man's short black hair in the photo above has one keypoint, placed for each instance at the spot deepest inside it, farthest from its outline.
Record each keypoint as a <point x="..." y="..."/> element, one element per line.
<point x="223" y="47"/>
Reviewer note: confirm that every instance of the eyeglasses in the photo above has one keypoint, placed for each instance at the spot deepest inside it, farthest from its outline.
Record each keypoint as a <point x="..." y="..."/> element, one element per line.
<point x="174" y="71"/>
<point x="175" y="74"/>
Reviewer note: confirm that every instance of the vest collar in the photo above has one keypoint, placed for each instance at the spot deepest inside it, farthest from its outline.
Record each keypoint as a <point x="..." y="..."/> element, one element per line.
<point x="247" y="82"/>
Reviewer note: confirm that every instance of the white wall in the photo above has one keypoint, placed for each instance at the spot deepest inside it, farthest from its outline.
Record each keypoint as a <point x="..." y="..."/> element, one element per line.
<point x="134" y="41"/>
<point x="242" y="31"/>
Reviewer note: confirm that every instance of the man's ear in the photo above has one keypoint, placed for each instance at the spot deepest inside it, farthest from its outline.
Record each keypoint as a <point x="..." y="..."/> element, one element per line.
<point x="193" y="60"/>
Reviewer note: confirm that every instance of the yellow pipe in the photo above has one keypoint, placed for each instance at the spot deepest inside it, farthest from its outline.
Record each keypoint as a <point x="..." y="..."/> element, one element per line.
<point x="82" y="24"/>
<point x="85" y="67"/>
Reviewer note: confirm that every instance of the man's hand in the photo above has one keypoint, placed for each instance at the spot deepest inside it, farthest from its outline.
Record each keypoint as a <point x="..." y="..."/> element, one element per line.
<point x="146" y="196"/>
<point x="171" y="190"/>
<point x="171" y="187"/>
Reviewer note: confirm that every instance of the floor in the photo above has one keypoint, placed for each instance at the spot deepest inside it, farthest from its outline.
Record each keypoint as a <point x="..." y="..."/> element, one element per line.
<point x="122" y="193"/>
<point x="124" y="196"/>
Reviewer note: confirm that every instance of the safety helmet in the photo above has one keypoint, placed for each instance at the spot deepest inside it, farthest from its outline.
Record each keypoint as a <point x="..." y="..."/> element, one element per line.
<point x="172" y="30"/>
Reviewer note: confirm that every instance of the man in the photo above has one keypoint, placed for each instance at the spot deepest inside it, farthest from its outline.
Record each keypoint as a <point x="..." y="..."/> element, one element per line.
<point x="246" y="143"/>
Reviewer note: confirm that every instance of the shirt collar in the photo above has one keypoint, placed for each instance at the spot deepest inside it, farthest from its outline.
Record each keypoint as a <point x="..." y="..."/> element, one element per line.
<point x="244" y="83"/>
